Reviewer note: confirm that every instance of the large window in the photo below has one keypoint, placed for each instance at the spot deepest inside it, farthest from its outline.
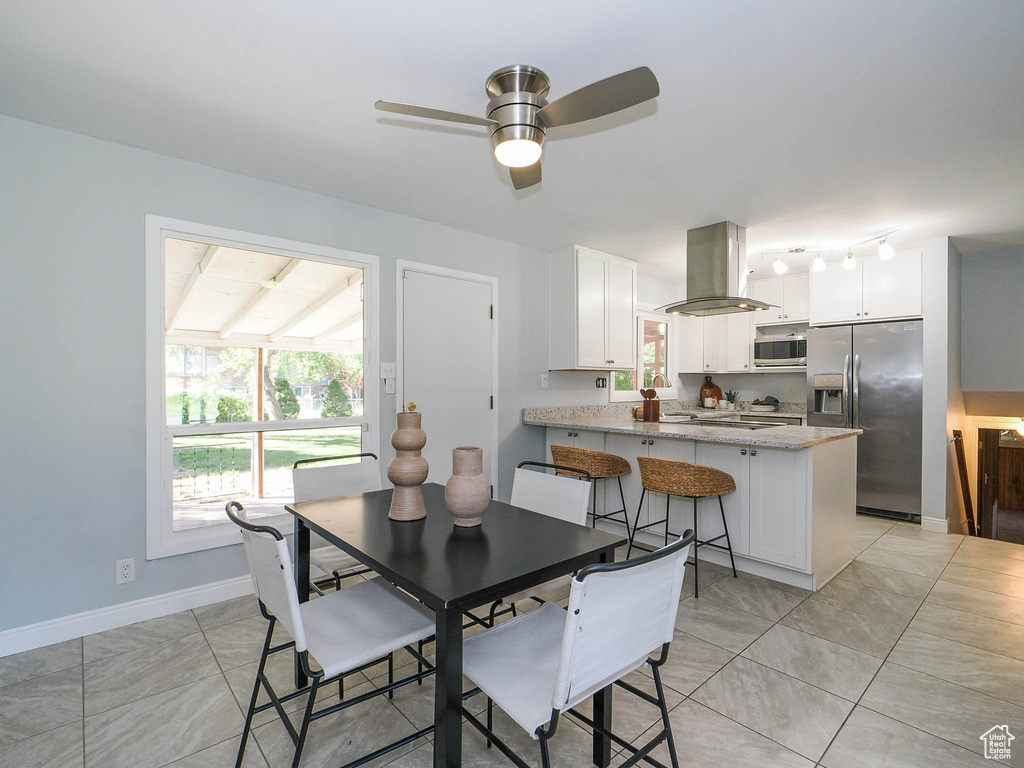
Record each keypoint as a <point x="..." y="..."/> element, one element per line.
<point x="651" y="369"/>
<point x="262" y="346"/>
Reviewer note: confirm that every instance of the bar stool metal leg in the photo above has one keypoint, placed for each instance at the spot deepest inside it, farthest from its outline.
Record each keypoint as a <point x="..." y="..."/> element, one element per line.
<point x="728" y="543"/>
<point x="636" y="522"/>
<point x="668" y="501"/>
<point x="696" y="553"/>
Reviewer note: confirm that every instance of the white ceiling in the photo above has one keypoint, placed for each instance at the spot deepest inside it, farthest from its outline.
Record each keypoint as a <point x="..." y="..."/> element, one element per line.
<point x="810" y="123"/>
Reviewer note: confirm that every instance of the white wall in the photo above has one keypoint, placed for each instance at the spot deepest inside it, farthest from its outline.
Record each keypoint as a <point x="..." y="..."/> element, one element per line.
<point x="72" y="305"/>
<point x="993" y="321"/>
<point x="943" y="398"/>
<point x="788" y="387"/>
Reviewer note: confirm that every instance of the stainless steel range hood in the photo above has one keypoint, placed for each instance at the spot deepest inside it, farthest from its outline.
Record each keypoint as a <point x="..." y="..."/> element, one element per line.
<point x="716" y="272"/>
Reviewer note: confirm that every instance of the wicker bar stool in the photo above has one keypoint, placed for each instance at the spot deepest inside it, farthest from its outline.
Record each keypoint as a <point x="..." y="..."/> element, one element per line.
<point x="694" y="481"/>
<point x="601" y="466"/>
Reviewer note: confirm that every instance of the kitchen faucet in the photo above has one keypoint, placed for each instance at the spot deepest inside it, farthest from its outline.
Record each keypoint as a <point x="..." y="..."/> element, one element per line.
<point x="654" y="380"/>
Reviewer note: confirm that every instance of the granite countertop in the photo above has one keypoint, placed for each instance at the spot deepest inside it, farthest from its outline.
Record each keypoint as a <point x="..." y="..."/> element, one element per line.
<point x="784" y="436"/>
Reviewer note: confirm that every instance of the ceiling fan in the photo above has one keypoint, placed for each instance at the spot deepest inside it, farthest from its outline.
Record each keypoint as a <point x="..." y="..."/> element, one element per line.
<point x="519" y="116"/>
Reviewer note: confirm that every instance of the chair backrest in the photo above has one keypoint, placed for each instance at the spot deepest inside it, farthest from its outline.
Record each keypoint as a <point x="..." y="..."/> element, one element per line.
<point x="270" y="565"/>
<point x="618" y="615"/>
<point x="311" y="482"/>
<point x="562" y="496"/>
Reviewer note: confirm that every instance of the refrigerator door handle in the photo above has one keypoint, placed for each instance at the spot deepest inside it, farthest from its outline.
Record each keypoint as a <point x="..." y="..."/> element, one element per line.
<point x="846" y="392"/>
<point x="856" y="391"/>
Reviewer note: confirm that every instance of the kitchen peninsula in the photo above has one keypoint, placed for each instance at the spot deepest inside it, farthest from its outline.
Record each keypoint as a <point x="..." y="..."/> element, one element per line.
<point x="792" y="515"/>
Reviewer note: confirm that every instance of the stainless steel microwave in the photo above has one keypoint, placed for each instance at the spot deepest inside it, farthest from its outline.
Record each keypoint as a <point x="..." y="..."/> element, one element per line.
<point x="775" y="351"/>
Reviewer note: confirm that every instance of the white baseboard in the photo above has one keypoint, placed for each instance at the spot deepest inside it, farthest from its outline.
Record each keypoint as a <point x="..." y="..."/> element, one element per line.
<point x="934" y="524"/>
<point x="113" y="616"/>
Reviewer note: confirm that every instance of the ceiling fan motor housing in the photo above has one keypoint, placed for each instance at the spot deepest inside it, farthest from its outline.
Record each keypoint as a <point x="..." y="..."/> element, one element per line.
<point x="517" y="95"/>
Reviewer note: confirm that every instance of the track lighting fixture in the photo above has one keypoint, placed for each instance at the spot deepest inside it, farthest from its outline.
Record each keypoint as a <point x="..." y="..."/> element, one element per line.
<point x="885" y="251"/>
<point x="779" y="266"/>
<point x="818" y="265"/>
<point x="849" y="262"/>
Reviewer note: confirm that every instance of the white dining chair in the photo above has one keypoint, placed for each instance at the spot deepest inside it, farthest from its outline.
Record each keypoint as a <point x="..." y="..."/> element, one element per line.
<point x="541" y="664"/>
<point x="565" y="497"/>
<point x="312" y="480"/>
<point x="344" y="632"/>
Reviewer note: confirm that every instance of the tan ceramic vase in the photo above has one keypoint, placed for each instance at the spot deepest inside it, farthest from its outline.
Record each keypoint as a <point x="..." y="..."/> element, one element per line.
<point x="408" y="469"/>
<point x="468" y="492"/>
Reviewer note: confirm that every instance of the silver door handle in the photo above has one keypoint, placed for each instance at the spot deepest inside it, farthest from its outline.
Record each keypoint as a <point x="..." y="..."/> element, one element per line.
<point x="856" y="391"/>
<point x="743" y="452"/>
<point x="846" y="391"/>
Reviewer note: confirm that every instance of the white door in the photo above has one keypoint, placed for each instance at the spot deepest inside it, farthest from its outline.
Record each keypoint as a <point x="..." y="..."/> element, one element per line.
<point x="447" y="366"/>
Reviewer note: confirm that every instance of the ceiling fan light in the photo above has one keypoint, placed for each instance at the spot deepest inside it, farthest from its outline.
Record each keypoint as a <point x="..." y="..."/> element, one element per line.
<point x="819" y="263"/>
<point x="885" y="251"/>
<point x="849" y="262"/>
<point x="517" y="153"/>
<point x="779" y="266"/>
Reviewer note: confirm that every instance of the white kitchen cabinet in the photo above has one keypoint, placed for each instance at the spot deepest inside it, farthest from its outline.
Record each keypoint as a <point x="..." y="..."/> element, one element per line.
<point x="739" y="340"/>
<point x="892" y="289"/>
<point x="789" y="295"/>
<point x="593" y="311"/>
<point x="778" y="517"/>
<point x="577" y="438"/>
<point x="689" y="333"/>
<point x="629" y="447"/>
<point x="714" y="344"/>
<point x="873" y="290"/>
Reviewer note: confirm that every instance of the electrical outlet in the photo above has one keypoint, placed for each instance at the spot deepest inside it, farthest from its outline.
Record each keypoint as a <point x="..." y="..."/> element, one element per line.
<point x="601" y="382"/>
<point x="125" y="571"/>
<point x="543" y="381"/>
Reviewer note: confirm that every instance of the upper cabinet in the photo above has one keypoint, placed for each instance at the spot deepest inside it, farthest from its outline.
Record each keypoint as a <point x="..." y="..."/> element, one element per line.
<point x="789" y="295"/>
<point x="714" y="344"/>
<point x="593" y="311"/>
<point x="873" y="290"/>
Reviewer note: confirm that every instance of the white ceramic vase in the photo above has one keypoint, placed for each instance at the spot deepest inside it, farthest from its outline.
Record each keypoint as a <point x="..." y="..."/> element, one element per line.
<point x="468" y="492"/>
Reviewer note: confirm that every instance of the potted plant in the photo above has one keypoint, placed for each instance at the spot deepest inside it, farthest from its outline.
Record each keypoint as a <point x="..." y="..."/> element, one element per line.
<point x="730" y="401"/>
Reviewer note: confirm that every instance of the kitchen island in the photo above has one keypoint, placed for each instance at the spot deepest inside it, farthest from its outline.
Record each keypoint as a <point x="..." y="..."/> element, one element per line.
<point x="792" y="515"/>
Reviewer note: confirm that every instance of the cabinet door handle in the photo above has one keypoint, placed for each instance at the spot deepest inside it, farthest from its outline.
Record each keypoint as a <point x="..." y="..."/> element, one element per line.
<point x="650" y="442"/>
<point x="575" y="434"/>
<point x="858" y="314"/>
<point x="743" y="452"/>
<point x="865" y="314"/>
<point x="568" y="434"/>
<point x="786" y="316"/>
<point x="643" y="442"/>
<point x="753" y="453"/>
<point x="609" y="361"/>
<point x="744" y="365"/>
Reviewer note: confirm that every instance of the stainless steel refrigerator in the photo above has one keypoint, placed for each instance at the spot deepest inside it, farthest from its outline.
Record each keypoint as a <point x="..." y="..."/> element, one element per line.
<point x="870" y="376"/>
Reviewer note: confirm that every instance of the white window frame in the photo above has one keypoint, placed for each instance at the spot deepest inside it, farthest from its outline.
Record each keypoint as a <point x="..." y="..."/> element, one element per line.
<point x="161" y="538"/>
<point x="664" y="393"/>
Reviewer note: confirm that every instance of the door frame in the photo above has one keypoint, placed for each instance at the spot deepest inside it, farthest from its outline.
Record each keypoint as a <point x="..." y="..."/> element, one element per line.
<point x="401" y="265"/>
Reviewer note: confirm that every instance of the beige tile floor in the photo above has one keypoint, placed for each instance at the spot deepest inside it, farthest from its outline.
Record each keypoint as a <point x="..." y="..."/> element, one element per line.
<point x="905" y="659"/>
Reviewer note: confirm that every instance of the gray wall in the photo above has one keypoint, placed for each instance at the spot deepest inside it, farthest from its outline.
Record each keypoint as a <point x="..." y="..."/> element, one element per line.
<point x="993" y="321"/>
<point x="72" y="303"/>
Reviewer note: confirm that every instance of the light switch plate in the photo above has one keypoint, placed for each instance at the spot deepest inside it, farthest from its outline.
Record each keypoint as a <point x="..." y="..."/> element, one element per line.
<point x="387" y="370"/>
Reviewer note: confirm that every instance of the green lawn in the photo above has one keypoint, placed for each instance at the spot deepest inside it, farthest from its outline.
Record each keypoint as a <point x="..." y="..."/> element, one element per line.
<point x="214" y="454"/>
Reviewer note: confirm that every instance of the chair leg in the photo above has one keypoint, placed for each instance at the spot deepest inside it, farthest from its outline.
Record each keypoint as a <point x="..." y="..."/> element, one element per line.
<point x="419" y="664"/>
<point x="696" y="553"/>
<point x="593" y="488"/>
<point x="725" y="525"/>
<point x="490" y="719"/>
<point x="636" y="522"/>
<point x="341" y="688"/>
<point x="391" y="673"/>
<point x="545" y="758"/>
<point x="305" y="722"/>
<point x="513" y="607"/>
<point x="663" y="706"/>
<point x="255" y="694"/>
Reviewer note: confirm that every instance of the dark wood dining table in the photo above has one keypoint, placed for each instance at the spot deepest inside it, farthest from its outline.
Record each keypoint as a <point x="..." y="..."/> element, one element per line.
<point x="451" y="570"/>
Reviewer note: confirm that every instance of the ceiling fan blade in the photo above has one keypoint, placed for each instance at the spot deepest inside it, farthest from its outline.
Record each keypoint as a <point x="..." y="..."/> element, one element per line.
<point x="602" y="98"/>
<point x="432" y="114"/>
<point x="525" y="177"/>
